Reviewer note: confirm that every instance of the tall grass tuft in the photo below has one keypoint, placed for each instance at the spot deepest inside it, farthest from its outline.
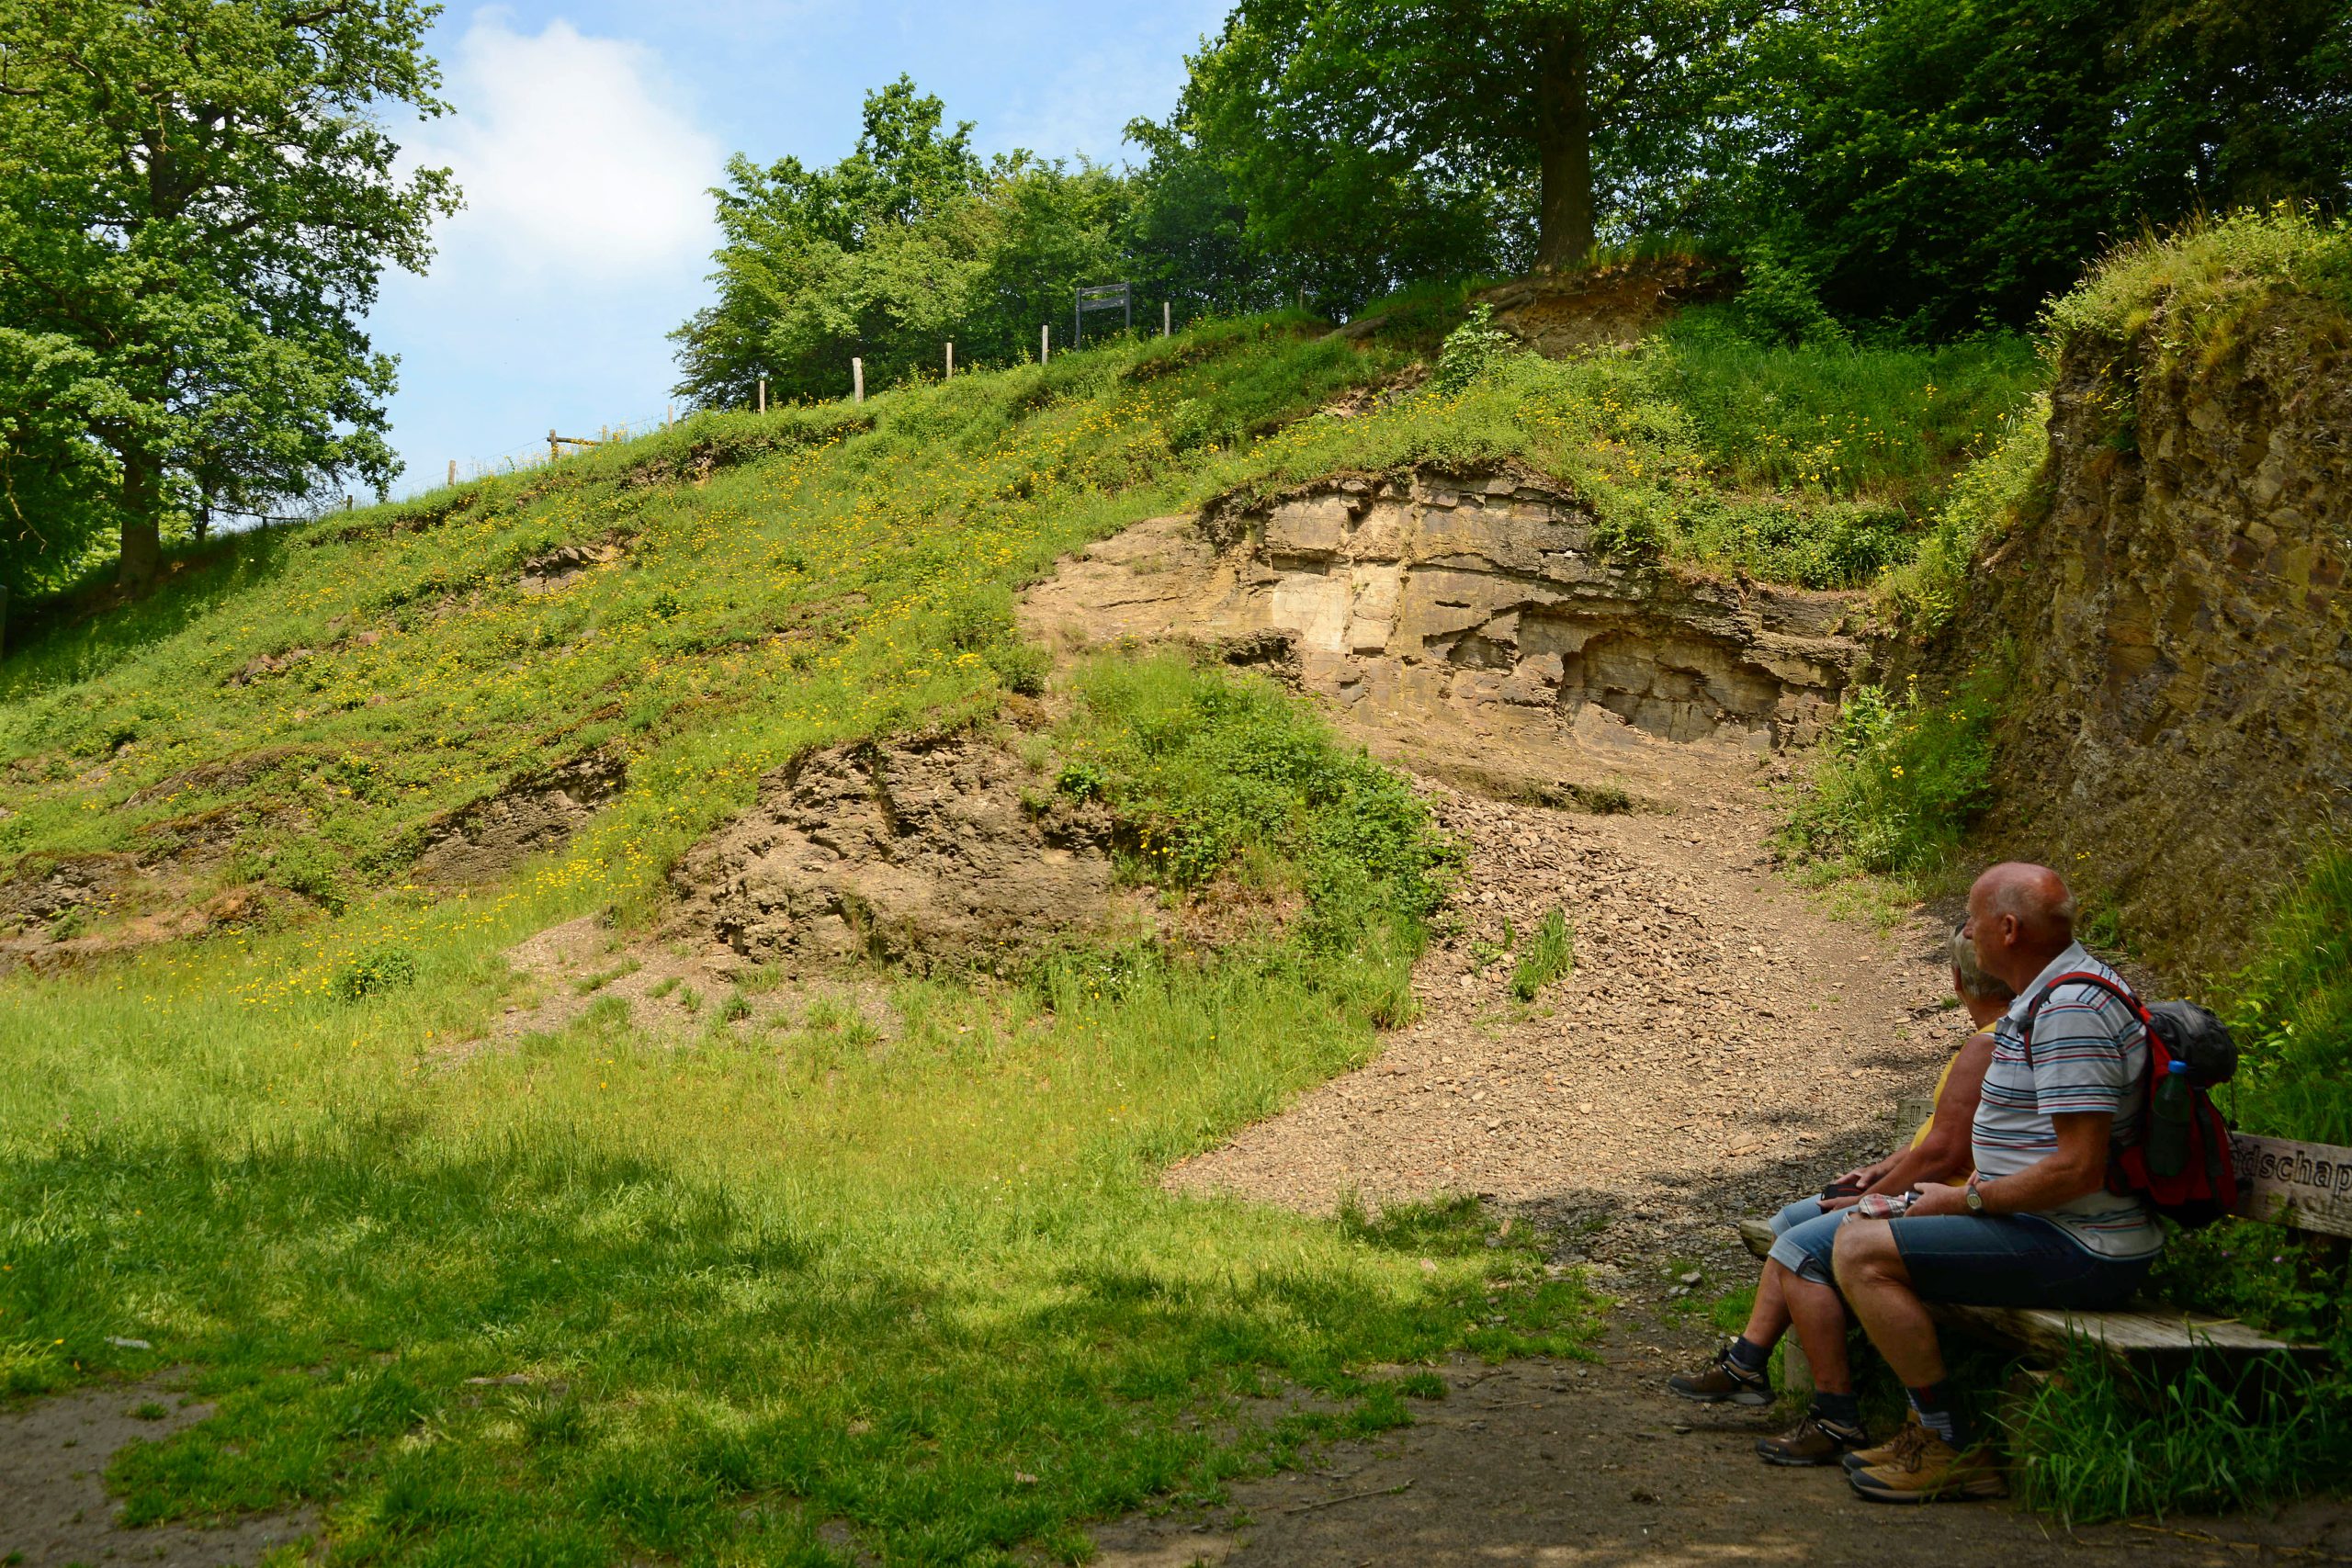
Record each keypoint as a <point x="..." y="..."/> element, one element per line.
<point x="2097" y="1443"/>
<point x="1549" y="955"/>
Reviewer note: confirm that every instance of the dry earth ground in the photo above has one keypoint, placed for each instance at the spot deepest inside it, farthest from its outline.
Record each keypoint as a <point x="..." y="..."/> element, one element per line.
<point x="53" y="1505"/>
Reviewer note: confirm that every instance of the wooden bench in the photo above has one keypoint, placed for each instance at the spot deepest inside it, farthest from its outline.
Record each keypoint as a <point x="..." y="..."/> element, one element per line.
<point x="2305" y="1187"/>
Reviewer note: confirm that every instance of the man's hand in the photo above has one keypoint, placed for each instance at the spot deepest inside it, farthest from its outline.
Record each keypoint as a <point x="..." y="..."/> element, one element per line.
<point x="1939" y="1198"/>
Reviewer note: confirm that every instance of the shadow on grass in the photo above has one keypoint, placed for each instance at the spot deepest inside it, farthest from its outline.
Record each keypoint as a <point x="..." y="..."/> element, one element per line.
<point x="550" y="1354"/>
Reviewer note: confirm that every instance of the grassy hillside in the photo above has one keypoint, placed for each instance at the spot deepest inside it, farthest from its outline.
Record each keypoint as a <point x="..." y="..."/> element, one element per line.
<point x="901" y="1269"/>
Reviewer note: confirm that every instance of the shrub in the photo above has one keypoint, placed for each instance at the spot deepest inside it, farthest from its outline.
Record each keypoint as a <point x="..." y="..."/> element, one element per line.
<point x="1470" y="350"/>
<point x="309" y="867"/>
<point x="372" y="974"/>
<point x="1778" y="303"/>
<point x="1900" y="778"/>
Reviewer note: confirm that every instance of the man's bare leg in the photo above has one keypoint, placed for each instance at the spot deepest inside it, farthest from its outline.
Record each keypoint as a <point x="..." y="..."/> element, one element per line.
<point x="1877" y="1286"/>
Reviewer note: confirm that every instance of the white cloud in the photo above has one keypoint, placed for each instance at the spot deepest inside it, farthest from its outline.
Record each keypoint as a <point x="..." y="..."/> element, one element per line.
<point x="573" y="159"/>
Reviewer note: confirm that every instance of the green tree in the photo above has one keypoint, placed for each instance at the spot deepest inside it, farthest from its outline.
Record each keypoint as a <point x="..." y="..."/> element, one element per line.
<point x="1186" y="235"/>
<point x="1943" y="167"/>
<point x="1440" y="110"/>
<point x="909" y="241"/>
<point x="196" y="200"/>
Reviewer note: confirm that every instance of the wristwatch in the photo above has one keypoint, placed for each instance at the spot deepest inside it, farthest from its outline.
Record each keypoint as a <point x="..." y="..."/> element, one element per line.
<point x="1973" y="1197"/>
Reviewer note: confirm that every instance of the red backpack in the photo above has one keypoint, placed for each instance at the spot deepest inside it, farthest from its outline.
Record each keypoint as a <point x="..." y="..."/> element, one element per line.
<point x="2191" y="1178"/>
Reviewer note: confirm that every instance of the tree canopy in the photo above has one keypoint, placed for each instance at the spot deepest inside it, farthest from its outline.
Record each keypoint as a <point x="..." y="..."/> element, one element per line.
<point x="910" y="242"/>
<point x="1437" y="113"/>
<point x="197" y="201"/>
<point x="1941" y="166"/>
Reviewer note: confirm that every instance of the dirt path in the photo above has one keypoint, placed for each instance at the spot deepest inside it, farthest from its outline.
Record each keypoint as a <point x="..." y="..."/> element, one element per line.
<point x="1565" y="1465"/>
<point x="54" y="1509"/>
<point x="1720" y="1044"/>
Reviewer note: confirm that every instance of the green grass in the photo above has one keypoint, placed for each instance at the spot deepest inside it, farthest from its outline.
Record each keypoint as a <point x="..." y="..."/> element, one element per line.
<point x="2293" y="1009"/>
<point x="1549" y="955"/>
<point x="2189" y="292"/>
<point x="2096" y="1444"/>
<point x="1899" y="780"/>
<point x="2009" y="483"/>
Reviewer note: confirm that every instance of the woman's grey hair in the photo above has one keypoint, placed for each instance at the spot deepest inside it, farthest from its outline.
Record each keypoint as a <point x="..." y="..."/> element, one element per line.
<point x="1974" y="982"/>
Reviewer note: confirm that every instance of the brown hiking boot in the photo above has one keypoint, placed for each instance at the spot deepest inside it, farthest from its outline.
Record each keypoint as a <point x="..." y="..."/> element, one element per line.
<point x="1812" y="1442"/>
<point x="1932" y="1472"/>
<point x="1894" y="1451"/>
<point x="1722" y="1379"/>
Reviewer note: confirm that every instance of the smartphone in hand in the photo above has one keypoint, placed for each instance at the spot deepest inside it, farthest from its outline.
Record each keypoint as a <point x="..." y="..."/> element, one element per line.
<point x="1838" y="1190"/>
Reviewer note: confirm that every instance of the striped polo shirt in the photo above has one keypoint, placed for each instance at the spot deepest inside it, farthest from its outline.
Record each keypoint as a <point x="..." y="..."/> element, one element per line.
<point x="2089" y="1054"/>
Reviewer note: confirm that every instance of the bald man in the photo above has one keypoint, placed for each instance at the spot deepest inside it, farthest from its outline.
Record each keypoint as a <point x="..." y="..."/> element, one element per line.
<point x="2036" y="1224"/>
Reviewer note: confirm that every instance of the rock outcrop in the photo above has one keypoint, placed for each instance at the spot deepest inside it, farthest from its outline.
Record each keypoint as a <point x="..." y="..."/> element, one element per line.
<point x="925" y="852"/>
<point x="1474" y="627"/>
<point x="532" y="814"/>
<point x="2183" y="715"/>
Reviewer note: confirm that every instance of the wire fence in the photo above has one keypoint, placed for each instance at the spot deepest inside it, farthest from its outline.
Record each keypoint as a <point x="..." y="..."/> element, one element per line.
<point x="557" y="443"/>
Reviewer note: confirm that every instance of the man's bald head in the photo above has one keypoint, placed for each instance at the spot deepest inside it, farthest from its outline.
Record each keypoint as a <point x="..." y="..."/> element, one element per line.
<point x="2021" y="916"/>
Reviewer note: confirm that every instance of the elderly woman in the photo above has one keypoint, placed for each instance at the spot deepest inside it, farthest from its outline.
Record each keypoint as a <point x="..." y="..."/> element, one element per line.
<point x="1798" y="1288"/>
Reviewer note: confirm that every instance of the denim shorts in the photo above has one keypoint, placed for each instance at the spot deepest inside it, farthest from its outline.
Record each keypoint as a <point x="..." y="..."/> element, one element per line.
<point x="2010" y="1260"/>
<point x="1805" y="1236"/>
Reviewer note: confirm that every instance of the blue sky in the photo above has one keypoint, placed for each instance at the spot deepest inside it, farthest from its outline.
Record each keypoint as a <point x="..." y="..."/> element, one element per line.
<point x="586" y="135"/>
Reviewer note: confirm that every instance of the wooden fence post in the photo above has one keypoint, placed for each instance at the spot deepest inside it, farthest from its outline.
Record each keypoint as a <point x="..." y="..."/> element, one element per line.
<point x="858" y="381"/>
<point x="763" y="394"/>
<point x="668" y="415"/>
<point x="951" y="362"/>
<point x="553" y="450"/>
<point x="1163" y="318"/>
<point x="1045" y="342"/>
<point x="453" y="470"/>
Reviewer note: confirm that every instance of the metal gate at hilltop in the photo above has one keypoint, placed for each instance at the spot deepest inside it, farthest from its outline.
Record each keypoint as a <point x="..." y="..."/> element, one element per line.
<point x="1119" y="297"/>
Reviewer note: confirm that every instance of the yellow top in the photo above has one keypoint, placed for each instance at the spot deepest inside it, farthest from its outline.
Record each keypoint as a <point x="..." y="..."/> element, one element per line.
<point x="1925" y="1127"/>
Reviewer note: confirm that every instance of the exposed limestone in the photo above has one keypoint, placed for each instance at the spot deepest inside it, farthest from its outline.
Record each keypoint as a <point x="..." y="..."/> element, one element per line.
<point x="2183" y="717"/>
<point x="537" y="811"/>
<point x="926" y="853"/>
<point x="548" y="572"/>
<point x="46" y="888"/>
<point x="1471" y="625"/>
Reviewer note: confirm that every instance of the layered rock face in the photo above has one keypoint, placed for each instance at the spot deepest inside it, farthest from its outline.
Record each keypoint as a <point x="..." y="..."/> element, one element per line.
<point x="2182" y="720"/>
<point x="923" y="852"/>
<point x="1473" y="625"/>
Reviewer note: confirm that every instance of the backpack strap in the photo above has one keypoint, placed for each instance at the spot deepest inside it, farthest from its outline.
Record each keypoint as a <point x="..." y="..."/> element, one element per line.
<point x="2078" y="977"/>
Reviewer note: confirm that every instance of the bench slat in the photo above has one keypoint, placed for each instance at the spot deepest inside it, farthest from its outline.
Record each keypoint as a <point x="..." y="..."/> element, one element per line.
<point x="2133" y="1331"/>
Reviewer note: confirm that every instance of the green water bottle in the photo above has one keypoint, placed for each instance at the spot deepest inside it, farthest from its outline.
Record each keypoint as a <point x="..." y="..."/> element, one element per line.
<point x="2169" y="1120"/>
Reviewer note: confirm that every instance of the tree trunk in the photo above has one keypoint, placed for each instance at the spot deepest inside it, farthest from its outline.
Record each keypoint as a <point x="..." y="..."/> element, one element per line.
<point x="1563" y="151"/>
<point x="142" y="508"/>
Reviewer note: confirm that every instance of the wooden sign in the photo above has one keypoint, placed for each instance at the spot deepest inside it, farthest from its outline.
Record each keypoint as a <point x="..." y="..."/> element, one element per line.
<point x="2309" y="1185"/>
